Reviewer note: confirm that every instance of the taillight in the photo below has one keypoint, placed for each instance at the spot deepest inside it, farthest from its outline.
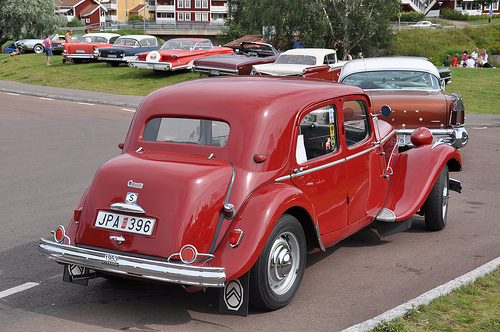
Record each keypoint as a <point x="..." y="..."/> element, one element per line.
<point x="76" y="214"/>
<point x="59" y="234"/>
<point x="235" y="237"/>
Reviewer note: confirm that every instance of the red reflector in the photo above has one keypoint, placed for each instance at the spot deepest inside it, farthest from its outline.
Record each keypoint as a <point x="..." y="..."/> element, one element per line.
<point x="188" y="254"/>
<point x="235" y="237"/>
<point x="59" y="234"/>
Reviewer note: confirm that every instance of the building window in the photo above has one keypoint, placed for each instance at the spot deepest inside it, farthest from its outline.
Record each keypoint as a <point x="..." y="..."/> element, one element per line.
<point x="187" y="16"/>
<point x="204" y="16"/>
<point x="204" y="3"/>
<point x="187" y="4"/>
<point x="180" y="4"/>
<point x="197" y="4"/>
<point x="180" y="16"/>
<point x="197" y="16"/>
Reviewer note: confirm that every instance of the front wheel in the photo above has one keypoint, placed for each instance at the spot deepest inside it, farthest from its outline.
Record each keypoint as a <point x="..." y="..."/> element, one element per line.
<point x="38" y="49"/>
<point x="276" y="276"/>
<point x="436" y="205"/>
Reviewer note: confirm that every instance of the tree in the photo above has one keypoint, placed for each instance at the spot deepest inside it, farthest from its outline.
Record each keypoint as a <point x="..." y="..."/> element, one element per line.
<point x="27" y="19"/>
<point x="484" y="3"/>
<point x="357" y="24"/>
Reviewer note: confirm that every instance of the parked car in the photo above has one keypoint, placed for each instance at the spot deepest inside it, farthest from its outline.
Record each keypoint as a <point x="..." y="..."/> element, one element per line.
<point x="125" y="49"/>
<point x="33" y="45"/>
<point x="426" y="24"/>
<point x="239" y="62"/>
<point x="58" y="45"/>
<point x="304" y="62"/>
<point x="234" y="194"/>
<point x="177" y="54"/>
<point x="87" y="48"/>
<point x="414" y="90"/>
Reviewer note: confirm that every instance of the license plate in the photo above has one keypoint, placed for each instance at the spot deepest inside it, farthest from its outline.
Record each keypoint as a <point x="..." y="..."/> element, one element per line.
<point x="214" y="72"/>
<point x="112" y="56"/>
<point x="125" y="223"/>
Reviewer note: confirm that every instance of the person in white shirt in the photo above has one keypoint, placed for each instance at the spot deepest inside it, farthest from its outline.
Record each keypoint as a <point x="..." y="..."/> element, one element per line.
<point x="470" y="63"/>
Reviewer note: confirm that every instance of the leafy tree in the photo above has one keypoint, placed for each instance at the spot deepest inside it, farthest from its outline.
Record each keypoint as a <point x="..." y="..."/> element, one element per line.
<point x="28" y="19"/>
<point x="359" y="25"/>
<point x="484" y="3"/>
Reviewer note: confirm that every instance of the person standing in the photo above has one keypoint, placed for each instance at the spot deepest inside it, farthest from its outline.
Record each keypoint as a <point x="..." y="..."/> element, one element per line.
<point x="296" y="42"/>
<point x="48" y="48"/>
<point x="67" y="36"/>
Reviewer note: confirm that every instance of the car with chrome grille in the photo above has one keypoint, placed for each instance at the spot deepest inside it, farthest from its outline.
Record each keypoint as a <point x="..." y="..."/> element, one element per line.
<point x="235" y="194"/>
<point x="414" y="90"/>
<point x="126" y="48"/>
<point x="88" y="47"/>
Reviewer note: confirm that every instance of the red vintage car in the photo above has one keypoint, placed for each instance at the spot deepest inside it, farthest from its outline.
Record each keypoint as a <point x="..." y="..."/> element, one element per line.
<point x="234" y="194"/>
<point x="86" y="49"/>
<point x="177" y="54"/>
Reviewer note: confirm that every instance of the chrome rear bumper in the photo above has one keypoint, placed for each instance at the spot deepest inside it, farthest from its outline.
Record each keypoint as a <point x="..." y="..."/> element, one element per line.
<point x="456" y="137"/>
<point x="184" y="274"/>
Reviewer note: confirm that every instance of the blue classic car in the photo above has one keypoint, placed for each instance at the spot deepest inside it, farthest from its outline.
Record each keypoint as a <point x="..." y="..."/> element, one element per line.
<point x="10" y="48"/>
<point x="125" y="49"/>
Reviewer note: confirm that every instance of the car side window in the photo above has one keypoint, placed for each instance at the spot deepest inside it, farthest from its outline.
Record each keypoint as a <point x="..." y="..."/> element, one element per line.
<point x="355" y="122"/>
<point x="317" y="134"/>
<point x="330" y="59"/>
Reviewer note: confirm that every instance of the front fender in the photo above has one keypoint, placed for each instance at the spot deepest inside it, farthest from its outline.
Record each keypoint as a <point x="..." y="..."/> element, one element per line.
<point x="415" y="172"/>
<point x="257" y="218"/>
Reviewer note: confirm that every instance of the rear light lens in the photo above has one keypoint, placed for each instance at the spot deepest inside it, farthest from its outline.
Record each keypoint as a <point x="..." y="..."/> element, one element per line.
<point x="235" y="237"/>
<point x="59" y="234"/>
<point x="76" y="214"/>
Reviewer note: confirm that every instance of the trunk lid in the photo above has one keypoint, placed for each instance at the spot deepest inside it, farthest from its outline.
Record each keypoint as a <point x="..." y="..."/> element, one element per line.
<point x="184" y="194"/>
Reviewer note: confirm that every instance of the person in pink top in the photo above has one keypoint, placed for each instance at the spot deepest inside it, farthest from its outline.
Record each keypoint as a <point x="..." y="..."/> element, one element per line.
<point x="48" y="48"/>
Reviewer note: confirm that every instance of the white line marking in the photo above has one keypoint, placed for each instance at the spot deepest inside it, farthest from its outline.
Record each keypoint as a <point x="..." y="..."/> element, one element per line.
<point x="44" y="98"/>
<point x="128" y="110"/>
<point x="18" y="289"/>
<point x="86" y="104"/>
<point x="426" y="298"/>
<point x="13" y="94"/>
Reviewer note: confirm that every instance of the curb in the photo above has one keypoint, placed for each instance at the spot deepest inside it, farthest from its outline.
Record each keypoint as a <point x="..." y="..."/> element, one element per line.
<point x="426" y="298"/>
<point x="71" y="98"/>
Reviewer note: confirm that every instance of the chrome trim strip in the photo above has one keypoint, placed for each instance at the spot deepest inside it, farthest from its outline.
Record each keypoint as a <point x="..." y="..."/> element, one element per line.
<point x="128" y="207"/>
<point x="361" y="153"/>
<point x="287" y="177"/>
<point x="204" y="276"/>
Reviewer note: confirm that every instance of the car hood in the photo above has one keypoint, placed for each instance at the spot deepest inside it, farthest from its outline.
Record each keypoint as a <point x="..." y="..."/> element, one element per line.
<point x="184" y="193"/>
<point x="231" y="61"/>
<point x="413" y="108"/>
<point x="281" y="69"/>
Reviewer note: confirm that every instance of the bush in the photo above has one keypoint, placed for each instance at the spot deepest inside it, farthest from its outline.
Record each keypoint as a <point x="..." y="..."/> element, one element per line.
<point x="75" y="22"/>
<point x="410" y="17"/>
<point x="136" y="18"/>
<point x="450" y="14"/>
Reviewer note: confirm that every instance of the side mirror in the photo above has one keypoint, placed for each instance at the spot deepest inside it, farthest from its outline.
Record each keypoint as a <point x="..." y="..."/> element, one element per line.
<point x="386" y="111"/>
<point x="120" y="146"/>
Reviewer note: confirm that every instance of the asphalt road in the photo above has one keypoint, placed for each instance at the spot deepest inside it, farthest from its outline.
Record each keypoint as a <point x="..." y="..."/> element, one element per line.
<point x="50" y="150"/>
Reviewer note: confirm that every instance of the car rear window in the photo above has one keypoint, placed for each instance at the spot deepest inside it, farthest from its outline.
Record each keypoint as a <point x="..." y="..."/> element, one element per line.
<point x="394" y="79"/>
<point x="186" y="130"/>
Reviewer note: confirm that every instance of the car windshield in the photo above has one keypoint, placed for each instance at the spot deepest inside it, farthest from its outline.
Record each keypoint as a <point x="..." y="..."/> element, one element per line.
<point x="186" y="130"/>
<point x="296" y="59"/>
<point x="179" y="44"/>
<point x="126" y="42"/>
<point x="394" y="79"/>
<point x="257" y="49"/>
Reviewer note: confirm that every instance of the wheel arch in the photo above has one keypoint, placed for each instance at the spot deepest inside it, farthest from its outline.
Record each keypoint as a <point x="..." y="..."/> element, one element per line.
<point x="307" y="224"/>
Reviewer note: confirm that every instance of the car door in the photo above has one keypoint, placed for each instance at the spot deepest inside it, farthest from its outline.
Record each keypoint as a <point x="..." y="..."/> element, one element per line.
<point x="319" y="167"/>
<point x="364" y="162"/>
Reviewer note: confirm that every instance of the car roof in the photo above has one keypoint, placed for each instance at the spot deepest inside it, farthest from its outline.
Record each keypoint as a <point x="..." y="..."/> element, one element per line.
<point x="138" y="36"/>
<point x="103" y="34"/>
<point x="192" y="39"/>
<point x="310" y="51"/>
<point x="389" y="63"/>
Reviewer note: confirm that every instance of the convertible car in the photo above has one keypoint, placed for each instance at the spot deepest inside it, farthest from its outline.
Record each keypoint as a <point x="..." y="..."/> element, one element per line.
<point x="414" y="89"/>
<point x="87" y="48"/>
<point x="125" y="49"/>
<point x="234" y="194"/>
<point x="34" y="45"/>
<point x="239" y="62"/>
<point x="177" y="54"/>
<point x="303" y="62"/>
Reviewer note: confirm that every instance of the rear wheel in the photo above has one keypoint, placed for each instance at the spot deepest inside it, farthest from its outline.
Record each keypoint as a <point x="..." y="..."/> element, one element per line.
<point x="38" y="49"/>
<point x="436" y="205"/>
<point x="276" y="276"/>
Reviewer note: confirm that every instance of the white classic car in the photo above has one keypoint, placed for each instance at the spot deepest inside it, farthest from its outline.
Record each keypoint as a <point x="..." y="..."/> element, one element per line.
<point x="426" y="24"/>
<point x="304" y="62"/>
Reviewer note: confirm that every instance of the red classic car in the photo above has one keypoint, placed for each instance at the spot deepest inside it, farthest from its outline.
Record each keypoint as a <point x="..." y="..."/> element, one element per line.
<point x="414" y="89"/>
<point x="239" y="62"/>
<point x="177" y="54"/>
<point x="86" y="49"/>
<point x="234" y="194"/>
<point x="318" y="63"/>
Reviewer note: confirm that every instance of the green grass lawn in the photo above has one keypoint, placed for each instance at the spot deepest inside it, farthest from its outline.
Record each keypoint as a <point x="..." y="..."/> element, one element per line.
<point x="479" y="87"/>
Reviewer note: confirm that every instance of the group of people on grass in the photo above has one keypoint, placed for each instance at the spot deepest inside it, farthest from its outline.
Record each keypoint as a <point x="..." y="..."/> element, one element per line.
<point x="477" y="59"/>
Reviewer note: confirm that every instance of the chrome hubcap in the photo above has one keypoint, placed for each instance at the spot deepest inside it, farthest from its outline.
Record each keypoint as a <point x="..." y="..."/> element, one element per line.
<point x="283" y="263"/>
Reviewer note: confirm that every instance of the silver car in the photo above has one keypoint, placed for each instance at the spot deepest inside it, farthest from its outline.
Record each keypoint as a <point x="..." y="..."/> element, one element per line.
<point x="33" y="45"/>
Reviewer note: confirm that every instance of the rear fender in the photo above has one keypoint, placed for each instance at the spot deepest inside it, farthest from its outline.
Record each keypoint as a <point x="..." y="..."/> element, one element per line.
<point x="415" y="172"/>
<point x="257" y="218"/>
